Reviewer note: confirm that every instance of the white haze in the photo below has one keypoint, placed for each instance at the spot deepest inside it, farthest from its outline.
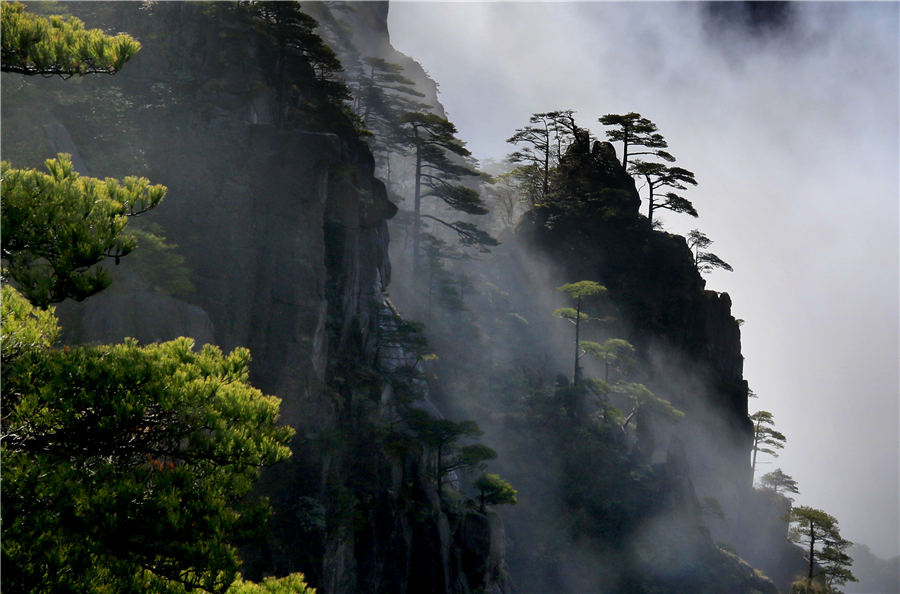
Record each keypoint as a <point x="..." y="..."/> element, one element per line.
<point x="794" y="140"/>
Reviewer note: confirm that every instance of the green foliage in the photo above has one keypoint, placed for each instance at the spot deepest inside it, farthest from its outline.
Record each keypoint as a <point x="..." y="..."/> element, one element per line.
<point x="582" y="289"/>
<point x="295" y="583"/>
<point x="493" y="490"/>
<point x="570" y="313"/>
<point x="710" y="506"/>
<point x="440" y="165"/>
<point x="779" y="482"/>
<point x="33" y="45"/>
<point x="806" y="587"/>
<point x="33" y="330"/>
<point x="119" y="459"/>
<point x="58" y="225"/>
<point x="644" y="400"/>
<point x="471" y="456"/>
<point x="304" y="69"/>
<point x="579" y="291"/>
<point x="617" y="354"/>
<point x="442" y="437"/>
<point x="124" y="468"/>
<point x="823" y="545"/>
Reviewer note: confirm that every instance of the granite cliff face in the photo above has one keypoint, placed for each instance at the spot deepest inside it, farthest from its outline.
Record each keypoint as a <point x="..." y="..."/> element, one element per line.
<point x="283" y="231"/>
<point x="687" y="338"/>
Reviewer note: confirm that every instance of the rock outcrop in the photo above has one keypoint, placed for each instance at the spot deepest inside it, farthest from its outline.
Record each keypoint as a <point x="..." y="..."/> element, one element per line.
<point x="283" y="229"/>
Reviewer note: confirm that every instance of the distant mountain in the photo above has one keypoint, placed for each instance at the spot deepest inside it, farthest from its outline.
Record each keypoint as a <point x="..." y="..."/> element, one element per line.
<point x="874" y="573"/>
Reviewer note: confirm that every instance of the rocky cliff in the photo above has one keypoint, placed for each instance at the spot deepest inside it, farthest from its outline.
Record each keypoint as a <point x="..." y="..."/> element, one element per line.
<point x="282" y="235"/>
<point x="686" y="336"/>
<point x="281" y="229"/>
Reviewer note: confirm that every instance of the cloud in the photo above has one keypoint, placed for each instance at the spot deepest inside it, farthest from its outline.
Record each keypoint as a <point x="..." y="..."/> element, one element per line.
<point x="793" y="136"/>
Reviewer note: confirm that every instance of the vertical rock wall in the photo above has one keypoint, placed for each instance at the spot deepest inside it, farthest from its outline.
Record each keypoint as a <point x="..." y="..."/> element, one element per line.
<point x="284" y="231"/>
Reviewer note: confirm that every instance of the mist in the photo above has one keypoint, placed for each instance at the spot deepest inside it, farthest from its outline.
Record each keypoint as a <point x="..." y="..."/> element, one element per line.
<point x="452" y="433"/>
<point x="790" y="122"/>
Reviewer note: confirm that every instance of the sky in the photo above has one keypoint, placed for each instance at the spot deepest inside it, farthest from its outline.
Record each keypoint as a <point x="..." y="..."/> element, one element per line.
<point x="788" y="116"/>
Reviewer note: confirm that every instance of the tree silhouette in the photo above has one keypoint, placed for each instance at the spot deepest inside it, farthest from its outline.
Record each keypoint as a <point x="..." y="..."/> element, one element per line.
<point x="433" y="141"/>
<point x="303" y="65"/>
<point x="779" y="482"/>
<point x="383" y="95"/>
<point x="765" y="438"/>
<point x="705" y="261"/>
<point x="818" y="532"/>
<point x="658" y="177"/>
<point x="544" y="140"/>
<point x="633" y="130"/>
<point x="442" y="436"/>
<point x="384" y="91"/>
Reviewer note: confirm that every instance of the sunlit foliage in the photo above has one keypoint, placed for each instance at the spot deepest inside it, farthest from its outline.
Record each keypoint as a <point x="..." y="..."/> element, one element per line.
<point x="59" y="45"/>
<point x="57" y="226"/>
<point x="292" y="584"/>
<point x="122" y="459"/>
<point x="493" y="490"/>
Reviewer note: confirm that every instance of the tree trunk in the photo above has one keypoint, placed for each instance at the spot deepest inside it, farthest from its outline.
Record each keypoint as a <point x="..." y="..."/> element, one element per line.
<point x="812" y="542"/>
<point x="546" y="180"/>
<point x="417" y="222"/>
<point x="577" y="346"/>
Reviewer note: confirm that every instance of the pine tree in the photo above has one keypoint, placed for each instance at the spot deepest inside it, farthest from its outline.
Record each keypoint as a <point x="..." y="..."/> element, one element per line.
<point x="433" y="142"/>
<point x="58" y="46"/>
<point x="125" y="464"/>
<point x="442" y="437"/>
<point x="765" y="438"/>
<point x="779" y="482"/>
<point x="57" y="226"/>
<point x="632" y="130"/>
<point x="705" y="261"/>
<point x="124" y="468"/>
<point x="384" y="93"/>
<point x="543" y="142"/>
<point x="818" y="533"/>
<point x="304" y="68"/>
<point x="579" y="292"/>
<point x="658" y="177"/>
<point x="493" y="490"/>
